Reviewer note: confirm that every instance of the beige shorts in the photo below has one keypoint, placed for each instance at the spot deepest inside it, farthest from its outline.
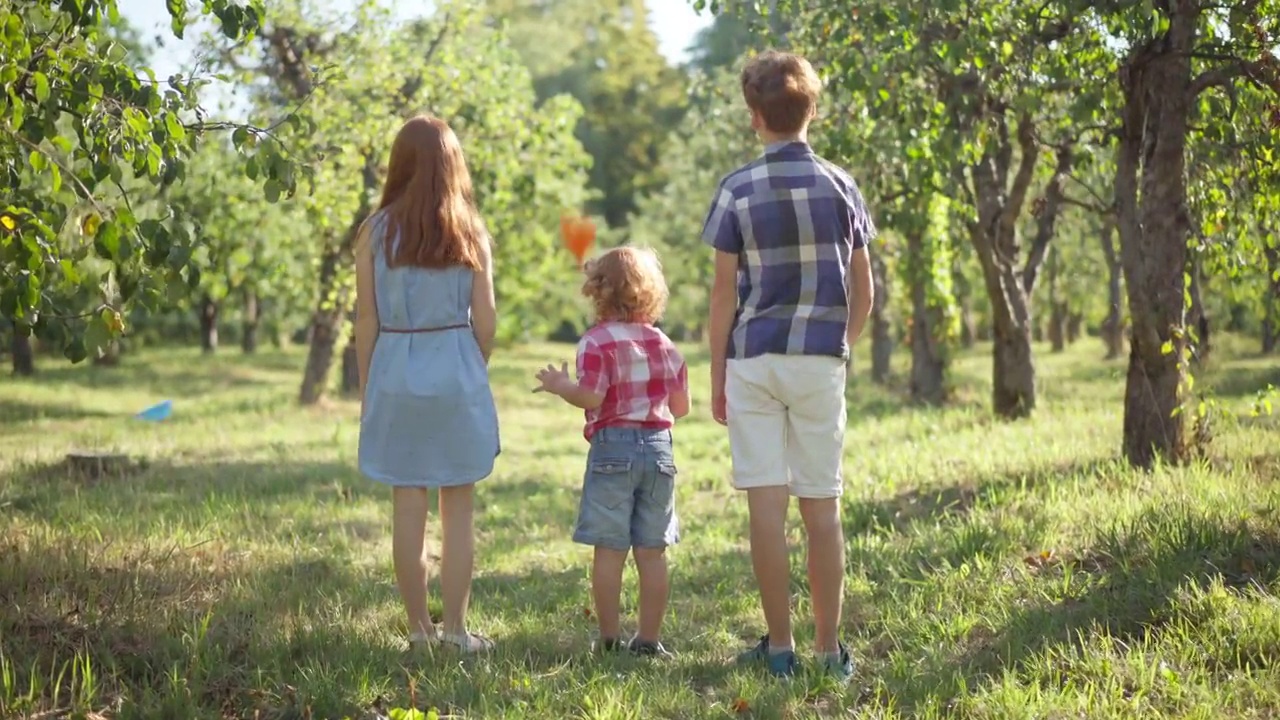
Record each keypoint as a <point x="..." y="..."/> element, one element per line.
<point x="786" y="418"/>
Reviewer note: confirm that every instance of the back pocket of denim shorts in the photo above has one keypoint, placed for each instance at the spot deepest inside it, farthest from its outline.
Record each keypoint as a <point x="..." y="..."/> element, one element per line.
<point x="609" y="481"/>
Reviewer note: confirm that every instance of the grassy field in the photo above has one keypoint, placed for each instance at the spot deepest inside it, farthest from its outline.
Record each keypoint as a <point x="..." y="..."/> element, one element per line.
<point x="996" y="570"/>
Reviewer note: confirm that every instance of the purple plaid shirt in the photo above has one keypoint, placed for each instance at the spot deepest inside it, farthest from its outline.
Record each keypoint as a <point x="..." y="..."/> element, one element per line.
<point x="793" y="219"/>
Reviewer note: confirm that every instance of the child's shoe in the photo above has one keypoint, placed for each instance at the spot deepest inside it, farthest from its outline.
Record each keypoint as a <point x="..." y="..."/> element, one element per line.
<point x="838" y="665"/>
<point x="780" y="664"/>
<point x="649" y="649"/>
<point x="605" y="646"/>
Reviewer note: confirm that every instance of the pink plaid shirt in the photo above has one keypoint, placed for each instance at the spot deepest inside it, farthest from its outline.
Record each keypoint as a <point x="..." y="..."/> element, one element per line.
<point x="638" y="368"/>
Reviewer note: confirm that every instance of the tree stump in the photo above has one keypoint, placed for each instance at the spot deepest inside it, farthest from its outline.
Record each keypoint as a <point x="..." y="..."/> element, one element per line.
<point x="96" y="465"/>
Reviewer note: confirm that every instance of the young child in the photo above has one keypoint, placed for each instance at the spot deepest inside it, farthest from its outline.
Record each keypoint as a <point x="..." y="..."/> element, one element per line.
<point x="791" y="294"/>
<point x="633" y="384"/>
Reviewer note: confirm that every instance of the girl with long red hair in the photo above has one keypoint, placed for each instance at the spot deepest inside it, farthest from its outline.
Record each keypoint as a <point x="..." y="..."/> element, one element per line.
<point x="425" y="324"/>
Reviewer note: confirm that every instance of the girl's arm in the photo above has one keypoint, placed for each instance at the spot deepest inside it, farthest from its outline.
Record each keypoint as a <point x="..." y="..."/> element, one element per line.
<point x="484" y="307"/>
<point x="367" y="322"/>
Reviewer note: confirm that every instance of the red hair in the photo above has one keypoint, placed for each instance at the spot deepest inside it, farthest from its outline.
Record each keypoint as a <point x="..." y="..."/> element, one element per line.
<point x="428" y="200"/>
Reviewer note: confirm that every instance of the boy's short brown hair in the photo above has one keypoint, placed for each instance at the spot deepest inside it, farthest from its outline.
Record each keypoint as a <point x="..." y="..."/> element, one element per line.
<point x="783" y="88"/>
<point x="626" y="285"/>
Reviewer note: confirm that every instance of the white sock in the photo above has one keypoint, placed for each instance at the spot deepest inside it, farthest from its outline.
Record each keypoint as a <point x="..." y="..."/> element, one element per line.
<point x="779" y="649"/>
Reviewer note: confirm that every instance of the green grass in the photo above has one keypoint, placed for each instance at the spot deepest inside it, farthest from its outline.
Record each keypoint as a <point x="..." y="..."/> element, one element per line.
<point x="995" y="569"/>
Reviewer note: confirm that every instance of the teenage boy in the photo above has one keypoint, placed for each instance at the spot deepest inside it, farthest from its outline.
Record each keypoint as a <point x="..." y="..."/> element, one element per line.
<point x="792" y="293"/>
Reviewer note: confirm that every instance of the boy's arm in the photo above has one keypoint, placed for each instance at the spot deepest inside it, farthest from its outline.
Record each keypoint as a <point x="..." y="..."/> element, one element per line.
<point x="721" y="231"/>
<point x="861" y="293"/>
<point x="724" y="305"/>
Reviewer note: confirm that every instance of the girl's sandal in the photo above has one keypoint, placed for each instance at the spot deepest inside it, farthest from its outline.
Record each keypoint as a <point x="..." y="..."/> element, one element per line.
<point x="469" y="644"/>
<point x="423" y="641"/>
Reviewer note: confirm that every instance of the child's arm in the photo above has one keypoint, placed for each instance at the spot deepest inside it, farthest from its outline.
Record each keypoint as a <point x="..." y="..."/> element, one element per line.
<point x="720" y="230"/>
<point x="861" y="294"/>
<point x="588" y="391"/>
<point x="558" y="382"/>
<point x="678" y="397"/>
<point x="724" y="305"/>
<point x="484" y="312"/>
<point x="366" y="325"/>
<point x="679" y="402"/>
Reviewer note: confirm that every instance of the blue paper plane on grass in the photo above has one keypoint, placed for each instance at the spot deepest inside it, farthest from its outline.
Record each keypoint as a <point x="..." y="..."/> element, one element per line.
<point x="156" y="413"/>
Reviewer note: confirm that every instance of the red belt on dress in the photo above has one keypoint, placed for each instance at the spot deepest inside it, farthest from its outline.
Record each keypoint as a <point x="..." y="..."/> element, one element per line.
<point x="415" y="331"/>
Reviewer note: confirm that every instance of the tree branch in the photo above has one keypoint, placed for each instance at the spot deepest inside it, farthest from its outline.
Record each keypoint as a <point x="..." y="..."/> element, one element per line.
<point x="84" y="190"/>
<point x="1223" y="76"/>
<point x="1048" y="217"/>
<point x="413" y="84"/>
<point x="1091" y="207"/>
<point x="1101" y="201"/>
<point x="1022" y="179"/>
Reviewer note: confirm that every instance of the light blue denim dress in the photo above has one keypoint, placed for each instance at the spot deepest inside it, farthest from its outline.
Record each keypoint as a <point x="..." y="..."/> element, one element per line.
<point x="429" y="418"/>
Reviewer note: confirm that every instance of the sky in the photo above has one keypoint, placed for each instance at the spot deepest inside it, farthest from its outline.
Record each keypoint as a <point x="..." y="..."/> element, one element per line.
<point x="679" y="23"/>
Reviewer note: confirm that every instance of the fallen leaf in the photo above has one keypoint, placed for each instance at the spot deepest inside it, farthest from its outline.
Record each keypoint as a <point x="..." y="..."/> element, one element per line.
<point x="1249" y="566"/>
<point x="741" y="706"/>
<point x="1041" y="559"/>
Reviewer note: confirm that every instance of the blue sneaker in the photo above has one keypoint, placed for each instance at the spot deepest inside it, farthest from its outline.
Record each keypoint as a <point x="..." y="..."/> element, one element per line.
<point x="781" y="664"/>
<point x="839" y="665"/>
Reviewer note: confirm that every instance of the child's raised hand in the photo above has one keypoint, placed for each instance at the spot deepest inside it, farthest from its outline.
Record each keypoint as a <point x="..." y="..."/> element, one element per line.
<point x="554" y="381"/>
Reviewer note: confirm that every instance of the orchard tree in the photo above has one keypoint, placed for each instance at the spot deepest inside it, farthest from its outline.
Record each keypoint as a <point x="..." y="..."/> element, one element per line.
<point x="81" y="121"/>
<point x="1182" y="63"/>
<point x="252" y="252"/>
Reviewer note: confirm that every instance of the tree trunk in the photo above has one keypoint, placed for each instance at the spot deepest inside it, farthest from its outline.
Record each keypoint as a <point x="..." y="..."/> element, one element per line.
<point x="964" y="300"/>
<point x="1113" y="324"/>
<point x="350" y="368"/>
<point x="326" y="324"/>
<point x="1154" y="226"/>
<point x="334" y="302"/>
<point x="1271" y="323"/>
<point x="1057" y="309"/>
<point x="1058" y="327"/>
<point x="24" y="357"/>
<point x="928" y="363"/>
<point x="1000" y="197"/>
<point x="208" y="324"/>
<point x="249" y="323"/>
<point x="1075" y="326"/>
<point x="881" y="325"/>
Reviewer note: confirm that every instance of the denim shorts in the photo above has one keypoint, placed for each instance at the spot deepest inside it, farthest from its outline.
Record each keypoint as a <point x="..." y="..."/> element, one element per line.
<point x="628" y="492"/>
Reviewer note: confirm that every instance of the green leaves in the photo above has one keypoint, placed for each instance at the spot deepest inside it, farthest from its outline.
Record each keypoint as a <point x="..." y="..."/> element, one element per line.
<point x="87" y="137"/>
<point x="177" y="16"/>
<point x="41" y="83"/>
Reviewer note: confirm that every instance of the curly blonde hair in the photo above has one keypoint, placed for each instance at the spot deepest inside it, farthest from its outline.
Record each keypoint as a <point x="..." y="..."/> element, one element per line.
<point x="626" y="285"/>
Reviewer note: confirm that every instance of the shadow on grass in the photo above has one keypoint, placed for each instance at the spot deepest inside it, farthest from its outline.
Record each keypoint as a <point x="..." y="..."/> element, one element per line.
<point x="188" y="375"/>
<point x="17" y="412"/>
<point x="1126" y="589"/>
<point x="165" y="491"/>
<point x="185" y="631"/>
<point x="936" y="504"/>
<point x="1244" y="381"/>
